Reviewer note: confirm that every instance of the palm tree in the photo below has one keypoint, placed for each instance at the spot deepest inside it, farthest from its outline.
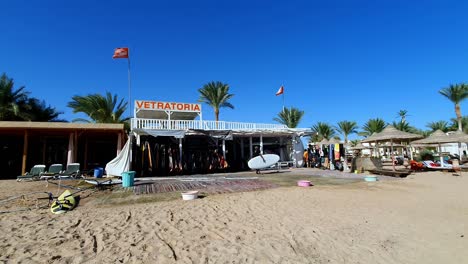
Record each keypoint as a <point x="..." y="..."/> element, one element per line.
<point x="456" y="93"/>
<point x="216" y="94"/>
<point x="289" y="117"/>
<point x="346" y="128"/>
<point x="402" y="114"/>
<point x="403" y="126"/>
<point x="99" y="108"/>
<point x="439" y="125"/>
<point x="323" y="130"/>
<point x="38" y="111"/>
<point x="454" y="125"/>
<point x="354" y="142"/>
<point x="424" y="133"/>
<point x="372" y="126"/>
<point x="315" y="138"/>
<point x="11" y="100"/>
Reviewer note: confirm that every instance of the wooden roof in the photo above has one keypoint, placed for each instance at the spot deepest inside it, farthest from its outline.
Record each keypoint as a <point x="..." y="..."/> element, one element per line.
<point x="59" y="125"/>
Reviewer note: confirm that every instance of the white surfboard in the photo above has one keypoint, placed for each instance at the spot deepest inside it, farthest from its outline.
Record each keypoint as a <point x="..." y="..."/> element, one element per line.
<point x="263" y="161"/>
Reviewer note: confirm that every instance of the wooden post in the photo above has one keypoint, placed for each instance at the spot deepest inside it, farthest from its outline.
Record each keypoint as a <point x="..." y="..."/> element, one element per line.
<point x="250" y="147"/>
<point x="224" y="149"/>
<point x="75" y="144"/>
<point x="119" y="143"/>
<point x="44" y="149"/>
<point x="242" y="147"/>
<point x="25" y="152"/>
<point x="261" y="144"/>
<point x="85" y="165"/>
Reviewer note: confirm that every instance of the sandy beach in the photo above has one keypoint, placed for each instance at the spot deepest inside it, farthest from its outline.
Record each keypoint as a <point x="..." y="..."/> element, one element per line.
<point x="420" y="219"/>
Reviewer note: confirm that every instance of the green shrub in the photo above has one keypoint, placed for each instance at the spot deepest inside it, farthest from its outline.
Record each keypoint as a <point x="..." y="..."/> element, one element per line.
<point x="425" y="154"/>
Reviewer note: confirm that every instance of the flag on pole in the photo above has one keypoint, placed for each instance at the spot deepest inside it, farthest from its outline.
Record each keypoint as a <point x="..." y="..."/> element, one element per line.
<point x="280" y="90"/>
<point x="120" y="53"/>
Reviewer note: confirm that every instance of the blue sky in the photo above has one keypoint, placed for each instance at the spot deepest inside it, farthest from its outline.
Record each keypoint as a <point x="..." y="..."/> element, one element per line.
<point x="338" y="60"/>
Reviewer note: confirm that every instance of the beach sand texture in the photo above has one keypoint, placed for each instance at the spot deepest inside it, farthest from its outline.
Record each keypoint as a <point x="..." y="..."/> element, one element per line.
<point x="420" y="219"/>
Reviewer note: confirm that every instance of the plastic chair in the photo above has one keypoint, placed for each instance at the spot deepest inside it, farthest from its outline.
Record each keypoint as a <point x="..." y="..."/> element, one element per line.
<point x="34" y="174"/>
<point x="54" y="171"/>
<point x="72" y="171"/>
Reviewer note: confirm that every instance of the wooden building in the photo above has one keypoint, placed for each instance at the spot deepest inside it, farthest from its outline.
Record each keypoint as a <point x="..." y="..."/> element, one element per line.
<point x="25" y="144"/>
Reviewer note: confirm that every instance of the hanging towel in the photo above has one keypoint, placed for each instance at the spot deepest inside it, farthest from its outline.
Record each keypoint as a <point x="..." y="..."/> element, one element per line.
<point x="337" y="151"/>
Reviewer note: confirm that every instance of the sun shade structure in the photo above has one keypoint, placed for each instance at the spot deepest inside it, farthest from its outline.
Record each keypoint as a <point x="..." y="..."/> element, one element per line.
<point x="435" y="138"/>
<point x="439" y="137"/>
<point x="390" y="133"/>
<point x="360" y="146"/>
<point x="333" y="141"/>
<point x="325" y="141"/>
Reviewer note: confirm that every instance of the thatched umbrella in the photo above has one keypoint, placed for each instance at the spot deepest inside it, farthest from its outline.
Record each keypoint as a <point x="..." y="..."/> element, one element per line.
<point x="389" y="134"/>
<point x="439" y="137"/>
<point x="360" y="146"/>
<point x="333" y="141"/>
<point x="324" y="141"/>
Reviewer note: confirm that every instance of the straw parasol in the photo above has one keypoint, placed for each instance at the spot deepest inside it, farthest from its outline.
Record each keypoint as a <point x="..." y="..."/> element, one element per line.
<point x="439" y="137"/>
<point x="434" y="138"/>
<point x="324" y="141"/>
<point x="390" y="133"/>
<point x="333" y="141"/>
<point x="360" y="146"/>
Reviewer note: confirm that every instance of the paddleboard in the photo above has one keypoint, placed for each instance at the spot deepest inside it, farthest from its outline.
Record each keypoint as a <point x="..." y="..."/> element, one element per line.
<point x="263" y="161"/>
<point x="64" y="203"/>
<point x="107" y="182"/>
<point x="298" y="152"/>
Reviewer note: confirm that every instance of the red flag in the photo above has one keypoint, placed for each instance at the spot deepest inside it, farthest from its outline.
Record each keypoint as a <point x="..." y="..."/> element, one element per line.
<point x="120" y="53"/>
<point x="280" y="90"/>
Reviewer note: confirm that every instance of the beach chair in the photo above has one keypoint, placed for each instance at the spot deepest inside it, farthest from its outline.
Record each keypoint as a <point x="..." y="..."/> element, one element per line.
<point x="72" y="172"/>
<point x="430" y="165"/>
<point x="34" y="174"/>
<point x="54" y="171"/>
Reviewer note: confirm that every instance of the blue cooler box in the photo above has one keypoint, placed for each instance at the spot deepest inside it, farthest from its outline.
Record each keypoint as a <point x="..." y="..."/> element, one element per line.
<point x="128" y="178"/>
<point x="98" y="172"/>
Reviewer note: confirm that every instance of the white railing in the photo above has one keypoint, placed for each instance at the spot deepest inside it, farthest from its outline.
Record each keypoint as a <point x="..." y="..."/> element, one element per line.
<point x="146" y="123"/>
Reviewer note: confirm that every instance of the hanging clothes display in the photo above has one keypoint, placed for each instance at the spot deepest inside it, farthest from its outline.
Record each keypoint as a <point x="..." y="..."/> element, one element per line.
<point x="337" y="151"/>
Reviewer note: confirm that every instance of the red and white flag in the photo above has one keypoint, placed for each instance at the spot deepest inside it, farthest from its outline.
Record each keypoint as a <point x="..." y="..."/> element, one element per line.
<point x="280" y="90"/>
<point x="120" y="53"/>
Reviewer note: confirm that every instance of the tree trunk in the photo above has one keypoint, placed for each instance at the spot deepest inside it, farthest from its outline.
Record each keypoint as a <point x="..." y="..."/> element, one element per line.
<point x="217" y="115"/>
<point x="459" y="117"/>
<point x="216" y="111"/>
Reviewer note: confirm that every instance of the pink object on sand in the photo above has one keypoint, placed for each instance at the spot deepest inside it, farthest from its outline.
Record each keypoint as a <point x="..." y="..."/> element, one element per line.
<point x="304" y="183"/>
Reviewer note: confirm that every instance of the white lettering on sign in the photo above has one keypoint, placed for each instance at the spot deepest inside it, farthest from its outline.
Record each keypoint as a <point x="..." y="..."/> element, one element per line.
<point x="155" y="105"/>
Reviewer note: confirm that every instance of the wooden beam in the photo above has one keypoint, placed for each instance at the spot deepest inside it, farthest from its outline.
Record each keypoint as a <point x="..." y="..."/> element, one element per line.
<point x="25" y="152"/>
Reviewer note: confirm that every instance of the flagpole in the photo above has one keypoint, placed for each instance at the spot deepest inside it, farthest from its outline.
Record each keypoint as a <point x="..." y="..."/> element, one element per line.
<point x="283" y="100"/>
<point x="129" y="88"/>
<point x="282" y="85"/>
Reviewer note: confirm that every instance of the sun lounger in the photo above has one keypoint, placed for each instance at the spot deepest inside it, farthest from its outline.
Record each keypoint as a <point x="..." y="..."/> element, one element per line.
<point x="72" y="172"/>
<point x="430" y="165"/>
<point x="34" y="174"/>
<point x="54" y="171"/>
